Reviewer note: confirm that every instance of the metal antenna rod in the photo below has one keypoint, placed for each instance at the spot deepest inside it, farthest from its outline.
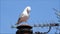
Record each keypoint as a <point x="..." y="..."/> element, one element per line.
<point x="57" y="13"/>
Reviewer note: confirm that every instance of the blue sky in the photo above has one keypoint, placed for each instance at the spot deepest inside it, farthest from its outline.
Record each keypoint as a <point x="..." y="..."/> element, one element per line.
<point x="41" y="12"/>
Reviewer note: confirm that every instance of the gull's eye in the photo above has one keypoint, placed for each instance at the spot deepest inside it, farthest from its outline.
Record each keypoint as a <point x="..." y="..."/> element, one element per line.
<point x="27" y="11"/>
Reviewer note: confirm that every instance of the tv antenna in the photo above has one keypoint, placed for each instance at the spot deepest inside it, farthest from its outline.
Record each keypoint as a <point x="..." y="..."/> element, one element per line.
<point x="57" y="12"/>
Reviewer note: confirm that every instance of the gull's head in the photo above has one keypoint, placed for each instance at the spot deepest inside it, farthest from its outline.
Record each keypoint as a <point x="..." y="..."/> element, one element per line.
<point x="28" y="9"/>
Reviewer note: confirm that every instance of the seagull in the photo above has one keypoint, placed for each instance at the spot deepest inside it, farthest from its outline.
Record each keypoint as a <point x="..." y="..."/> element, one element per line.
<point x="24" y="15"/>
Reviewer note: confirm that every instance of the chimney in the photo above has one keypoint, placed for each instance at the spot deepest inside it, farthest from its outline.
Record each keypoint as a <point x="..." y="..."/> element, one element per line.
<point x="24" y="29"/>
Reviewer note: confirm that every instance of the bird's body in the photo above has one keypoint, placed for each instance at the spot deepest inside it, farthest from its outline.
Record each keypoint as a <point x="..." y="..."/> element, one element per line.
<point x="22" y="19"/>
<point x="24" y="15"/>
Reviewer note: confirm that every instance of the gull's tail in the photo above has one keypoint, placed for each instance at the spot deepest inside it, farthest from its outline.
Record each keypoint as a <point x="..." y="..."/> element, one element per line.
<point x="14" y="26"/>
